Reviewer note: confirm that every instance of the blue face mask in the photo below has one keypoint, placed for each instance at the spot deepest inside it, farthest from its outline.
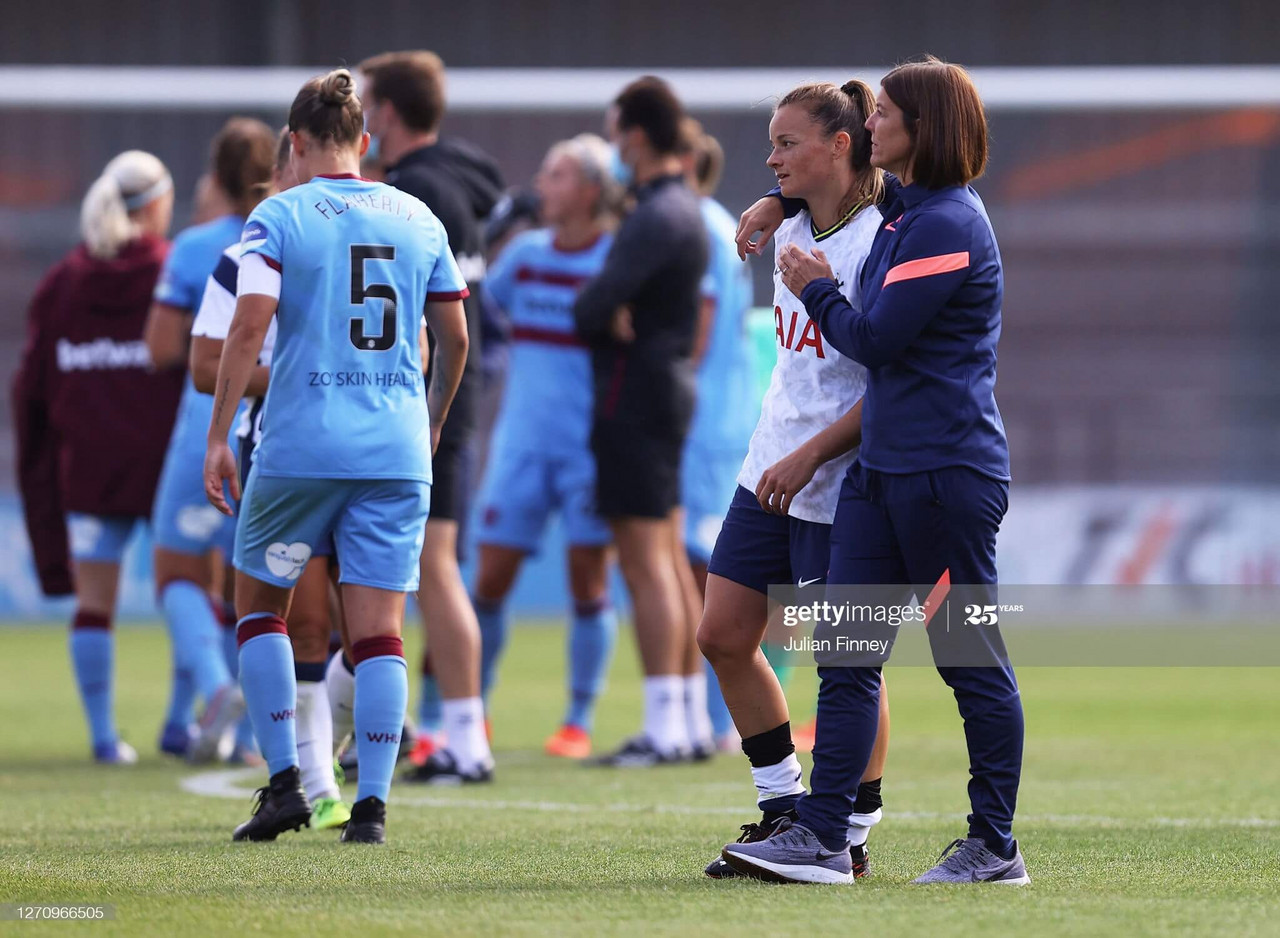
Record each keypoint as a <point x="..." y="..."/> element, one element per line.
<point x="620" y="170"/>
<point x="375" y="147"/>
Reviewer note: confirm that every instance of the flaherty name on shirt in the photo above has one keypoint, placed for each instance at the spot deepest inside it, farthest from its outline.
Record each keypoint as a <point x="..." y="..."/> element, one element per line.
<point x="384" y="202"/>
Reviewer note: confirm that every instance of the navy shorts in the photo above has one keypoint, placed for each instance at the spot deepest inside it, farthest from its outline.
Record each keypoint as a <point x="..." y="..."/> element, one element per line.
<point x="759" y="550"/>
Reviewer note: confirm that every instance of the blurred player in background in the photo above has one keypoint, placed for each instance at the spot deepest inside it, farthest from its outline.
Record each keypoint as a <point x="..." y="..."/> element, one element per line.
<point x="208" y="201"/>
<point x="309" y="621"/>
<point x="540" y="457"/>
<point x="348" y="267"/>
<point x="460" y="184"/>
<point x="722" y="423"/>
<point x="190" y="536"/>
<point x="92" y="416"/>
<point x="778" y="528"/>
<point x="640" y="318"/>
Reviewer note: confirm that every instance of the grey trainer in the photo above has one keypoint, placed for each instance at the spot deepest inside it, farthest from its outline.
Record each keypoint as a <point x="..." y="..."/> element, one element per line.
<point x="793" y="854"/>
<point x="751" y="834"/>
<point x="969" y="861"/>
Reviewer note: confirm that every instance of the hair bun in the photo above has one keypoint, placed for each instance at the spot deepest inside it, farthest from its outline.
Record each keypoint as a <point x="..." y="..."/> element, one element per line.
<point x="337" y="88"/>
<point x="855" y="87"/>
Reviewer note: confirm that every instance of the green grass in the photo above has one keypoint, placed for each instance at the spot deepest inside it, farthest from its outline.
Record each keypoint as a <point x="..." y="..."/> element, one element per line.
<point x="1150" y="805"/>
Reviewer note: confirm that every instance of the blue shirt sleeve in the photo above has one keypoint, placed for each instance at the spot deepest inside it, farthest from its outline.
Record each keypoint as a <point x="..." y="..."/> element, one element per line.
<point x="181" y="283"/>
<point x="264" y="233"/>
<point x="446" y="281"/>
<point x="930" y="262"/>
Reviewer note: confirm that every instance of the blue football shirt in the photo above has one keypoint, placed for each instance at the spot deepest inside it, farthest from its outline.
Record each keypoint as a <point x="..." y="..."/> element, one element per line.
<point x="358" y="261"/>
<point x="546" y="405"/>
<point x="193" y="256"/>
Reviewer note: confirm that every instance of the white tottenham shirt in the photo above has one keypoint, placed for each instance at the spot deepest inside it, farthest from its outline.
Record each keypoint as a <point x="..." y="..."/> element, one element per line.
<point x="213" y="319"/>
<point x="812" y="385"/>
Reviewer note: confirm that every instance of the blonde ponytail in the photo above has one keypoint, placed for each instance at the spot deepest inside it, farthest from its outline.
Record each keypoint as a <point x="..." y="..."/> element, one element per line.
<point x="128" y="182"/>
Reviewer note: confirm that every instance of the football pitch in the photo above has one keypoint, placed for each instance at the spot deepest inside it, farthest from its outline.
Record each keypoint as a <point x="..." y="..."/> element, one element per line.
<point x="1150" y="805"/>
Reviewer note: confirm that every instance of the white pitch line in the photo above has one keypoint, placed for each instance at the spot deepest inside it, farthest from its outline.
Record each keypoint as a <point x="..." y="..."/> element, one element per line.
<point x="229" y="783"/>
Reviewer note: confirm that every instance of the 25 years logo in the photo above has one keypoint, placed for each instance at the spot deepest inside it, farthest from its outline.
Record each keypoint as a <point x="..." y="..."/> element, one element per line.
<point x="975" y="614"/>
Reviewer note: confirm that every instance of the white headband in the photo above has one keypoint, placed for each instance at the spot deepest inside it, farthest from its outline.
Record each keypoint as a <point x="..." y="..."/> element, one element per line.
<point x="137" y="200"/>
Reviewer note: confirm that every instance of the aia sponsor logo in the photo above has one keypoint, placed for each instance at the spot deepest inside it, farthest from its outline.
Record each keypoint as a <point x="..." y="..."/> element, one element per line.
<point x="279" y="716"/>
<point x="383" y="737"/>
<point x="810" y="337"/>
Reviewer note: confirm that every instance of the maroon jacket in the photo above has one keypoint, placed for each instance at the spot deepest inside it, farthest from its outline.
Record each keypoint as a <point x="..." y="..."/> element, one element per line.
<point x="92" y="418"/>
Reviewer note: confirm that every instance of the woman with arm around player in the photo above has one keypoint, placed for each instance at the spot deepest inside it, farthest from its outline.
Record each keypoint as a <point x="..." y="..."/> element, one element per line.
<point x="777" y="530"/>
<point x="348" y="268"/>
<point x="923" y="502"/>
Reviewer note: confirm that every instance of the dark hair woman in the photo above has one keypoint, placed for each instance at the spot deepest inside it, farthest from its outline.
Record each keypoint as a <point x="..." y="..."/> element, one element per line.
<point x="923" y="502"/>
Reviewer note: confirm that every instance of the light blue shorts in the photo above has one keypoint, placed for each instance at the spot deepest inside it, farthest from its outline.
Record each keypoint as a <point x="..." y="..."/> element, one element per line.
<point x="377" y="526"/>
<point x="708" y="482"/>
<point x="522" y="488"/>
<point x="100" y="538"/>
<point x="183" y="519"/>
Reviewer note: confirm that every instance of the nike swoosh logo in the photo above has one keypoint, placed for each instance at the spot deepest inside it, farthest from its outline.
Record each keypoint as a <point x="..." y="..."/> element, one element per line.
<point x="803" y="583"/>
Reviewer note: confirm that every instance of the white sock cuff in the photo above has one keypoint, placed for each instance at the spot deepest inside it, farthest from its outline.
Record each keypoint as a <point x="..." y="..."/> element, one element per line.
<point x="780" y="780"/>
<point x="860" y="826"/>
<point x="866" y="820"/>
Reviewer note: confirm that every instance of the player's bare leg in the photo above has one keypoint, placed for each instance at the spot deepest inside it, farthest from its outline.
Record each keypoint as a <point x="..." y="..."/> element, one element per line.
<point x="732" y="629"/>
<point x="454" y="636"/>
<point x="697" y="720"/>
<point x="645" y="549"/>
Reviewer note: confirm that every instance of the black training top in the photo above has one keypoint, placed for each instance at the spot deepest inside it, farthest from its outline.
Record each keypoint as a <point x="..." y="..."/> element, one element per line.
<point x="655" y="267"/>
<point x="460" y="183"/>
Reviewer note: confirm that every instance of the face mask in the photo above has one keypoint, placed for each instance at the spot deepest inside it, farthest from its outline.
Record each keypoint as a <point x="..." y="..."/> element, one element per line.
<point x="375" y="147"/>
<point x="620" y="170"/>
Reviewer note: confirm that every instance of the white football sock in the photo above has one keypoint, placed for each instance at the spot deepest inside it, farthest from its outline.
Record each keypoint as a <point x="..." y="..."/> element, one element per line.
<point x="860" y="826"/>
<point x="315" y="741"/>
<point x="341" y="685"/>
<point x="778" y="780"/>
<point x="463" y="720"/>
<point x="696" y="718"/>
<point x="664" y="721"/>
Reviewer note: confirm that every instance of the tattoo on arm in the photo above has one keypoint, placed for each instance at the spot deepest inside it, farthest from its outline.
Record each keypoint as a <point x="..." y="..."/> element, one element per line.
<point x="221" y="401"/>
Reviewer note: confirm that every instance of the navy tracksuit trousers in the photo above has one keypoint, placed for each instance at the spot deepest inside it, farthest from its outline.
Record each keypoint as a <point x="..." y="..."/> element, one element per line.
<point x="910" y="529"/>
